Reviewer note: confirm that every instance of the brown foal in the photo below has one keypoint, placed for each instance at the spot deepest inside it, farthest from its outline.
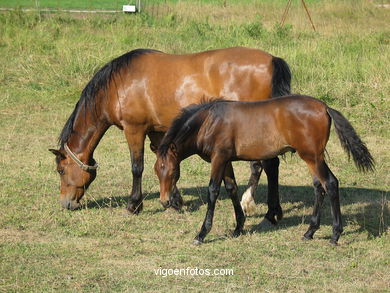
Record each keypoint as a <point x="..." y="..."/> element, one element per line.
<point x="225" y="131"/>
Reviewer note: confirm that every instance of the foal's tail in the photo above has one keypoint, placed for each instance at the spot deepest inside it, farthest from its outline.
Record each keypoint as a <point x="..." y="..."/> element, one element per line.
<point x="351" y="142"/>
<point x="281" y="78"/>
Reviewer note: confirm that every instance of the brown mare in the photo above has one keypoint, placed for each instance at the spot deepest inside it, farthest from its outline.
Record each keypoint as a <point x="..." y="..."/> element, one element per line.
<point x="225" y="131"/>
<point x="142" y="91"/>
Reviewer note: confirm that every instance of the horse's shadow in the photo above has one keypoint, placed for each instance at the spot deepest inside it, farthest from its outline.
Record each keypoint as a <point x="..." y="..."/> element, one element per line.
<point x="372" y="214"/>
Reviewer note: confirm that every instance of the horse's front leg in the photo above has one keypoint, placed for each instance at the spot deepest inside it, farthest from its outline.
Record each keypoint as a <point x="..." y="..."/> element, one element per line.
<point x="217" y="171"/>
<point x="271" y="168"/>
<point x="135" y="137"/>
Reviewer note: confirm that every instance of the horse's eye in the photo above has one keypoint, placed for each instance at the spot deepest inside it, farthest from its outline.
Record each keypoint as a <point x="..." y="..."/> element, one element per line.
<point x="61" y="172"/>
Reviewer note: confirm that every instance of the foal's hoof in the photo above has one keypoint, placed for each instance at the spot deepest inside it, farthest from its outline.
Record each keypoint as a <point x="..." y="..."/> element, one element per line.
<point x="135" y="208"/>
<point x="197" y="241"/>
<point x="333" y="242"/>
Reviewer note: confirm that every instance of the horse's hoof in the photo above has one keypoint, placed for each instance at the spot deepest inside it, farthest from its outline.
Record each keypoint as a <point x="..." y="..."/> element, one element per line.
<point x="333" y="242"/>
<point x="279" y="214"/>
<point x="177" y="204"/>
<point x="307" y="238"/>
<point x="135" y="208"/>
<point x="197" y="242"/>
<point x="266" y="224"/>
<point x="237" y="233"/>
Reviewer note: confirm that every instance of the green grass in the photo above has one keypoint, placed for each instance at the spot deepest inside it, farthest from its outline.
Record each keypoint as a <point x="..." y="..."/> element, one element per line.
<point x="116" y="4"/>
<point x="65" y="4"/>
<point x="45" y="61"/>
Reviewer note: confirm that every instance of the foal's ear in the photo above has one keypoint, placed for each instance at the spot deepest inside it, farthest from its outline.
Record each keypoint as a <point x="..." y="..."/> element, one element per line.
<point x="173" y="149"/>
<point x="57" y="153"/>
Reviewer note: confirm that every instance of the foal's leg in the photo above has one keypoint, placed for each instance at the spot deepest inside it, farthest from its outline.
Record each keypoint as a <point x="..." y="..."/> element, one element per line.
<point x="176" y="199"/>
<point x="248" y="198"/>
<point x="330" y="185"/>
<point x="271" y="168"/>
<point x="332" y="189"/>
<point x="315" y="219"/>
<point x="217" y="171"/>
<point x="135" y="137"/>
<point x="231" y="188"/>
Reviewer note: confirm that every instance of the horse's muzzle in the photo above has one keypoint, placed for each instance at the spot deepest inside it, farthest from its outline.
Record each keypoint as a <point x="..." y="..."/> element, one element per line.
<point x="166" y="203"/>
<point x="70" y="204"/>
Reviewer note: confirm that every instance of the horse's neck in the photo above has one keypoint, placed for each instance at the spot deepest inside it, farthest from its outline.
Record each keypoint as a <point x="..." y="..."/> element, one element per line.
<point x="86" y="136"/>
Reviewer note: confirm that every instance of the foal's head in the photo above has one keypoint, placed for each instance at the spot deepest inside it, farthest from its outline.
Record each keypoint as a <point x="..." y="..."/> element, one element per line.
<point x="168" y="172"/>
<point x="75" y="178"/>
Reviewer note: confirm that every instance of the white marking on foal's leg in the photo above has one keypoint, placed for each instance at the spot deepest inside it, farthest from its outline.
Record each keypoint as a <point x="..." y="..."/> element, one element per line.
<point x="247" y="203"/>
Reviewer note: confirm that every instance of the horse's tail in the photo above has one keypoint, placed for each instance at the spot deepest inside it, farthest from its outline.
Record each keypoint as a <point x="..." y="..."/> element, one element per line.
<point x="281" y="77"/>
<point x="351" y="142"/>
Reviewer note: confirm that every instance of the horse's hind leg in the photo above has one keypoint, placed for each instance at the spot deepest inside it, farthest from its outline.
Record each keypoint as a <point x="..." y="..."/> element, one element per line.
<point x="271" y="168"/>
<point x="330" y="185"/>
<point x="217" y="171"/>
<point x="332" y="189"/>
<point x="231" y="188"/>
<point x="176" y="199"/>
<point x="248" y="198"/>
<point x="315" y="219"/>
<point x="135" y="138"/>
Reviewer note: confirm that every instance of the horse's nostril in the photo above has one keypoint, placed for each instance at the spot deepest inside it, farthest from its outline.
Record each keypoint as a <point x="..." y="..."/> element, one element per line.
<point x="166" y="204"/>
<point x="68" y="206"/>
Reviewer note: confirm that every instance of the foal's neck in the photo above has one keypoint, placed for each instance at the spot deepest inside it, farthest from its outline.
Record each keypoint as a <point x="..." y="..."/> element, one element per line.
<point x="186" y="149"/>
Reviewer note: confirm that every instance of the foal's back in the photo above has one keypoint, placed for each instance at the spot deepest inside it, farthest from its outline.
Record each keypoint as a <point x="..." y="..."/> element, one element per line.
<point x="261" y="130"/>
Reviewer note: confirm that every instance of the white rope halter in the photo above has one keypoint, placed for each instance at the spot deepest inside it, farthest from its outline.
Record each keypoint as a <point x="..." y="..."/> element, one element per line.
<point x="78" y="162"/>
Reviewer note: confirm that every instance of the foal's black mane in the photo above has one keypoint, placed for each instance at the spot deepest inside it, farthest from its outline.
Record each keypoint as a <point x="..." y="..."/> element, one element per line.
<point x="186" y="124"/>
<point x="99" y="81"/>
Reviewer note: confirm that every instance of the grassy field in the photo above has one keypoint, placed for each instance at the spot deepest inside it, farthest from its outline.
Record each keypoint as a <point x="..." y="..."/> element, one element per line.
<point x="116" y="4"/>
<point x="64" y="4"/>
<point x="45" y="61"/>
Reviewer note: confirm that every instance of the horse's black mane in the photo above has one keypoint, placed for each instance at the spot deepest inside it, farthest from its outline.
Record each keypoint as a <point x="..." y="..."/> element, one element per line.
<point x="99" y="81"/>
<point x="185" y="124"/>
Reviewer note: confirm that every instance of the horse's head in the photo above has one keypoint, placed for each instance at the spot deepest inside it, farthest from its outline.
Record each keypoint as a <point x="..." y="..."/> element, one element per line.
<point x="75" y="177"/>
<point x="168" y="172"/>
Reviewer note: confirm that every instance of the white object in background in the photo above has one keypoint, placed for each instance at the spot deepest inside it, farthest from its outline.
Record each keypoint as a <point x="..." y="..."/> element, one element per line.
<point x="129" y="8"/>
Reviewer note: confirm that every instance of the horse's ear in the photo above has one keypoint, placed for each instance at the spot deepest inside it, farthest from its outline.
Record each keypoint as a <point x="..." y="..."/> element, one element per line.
<point x="173" y="148"/>
<point x="57" y="153"/>
<point x="153" y="148"/>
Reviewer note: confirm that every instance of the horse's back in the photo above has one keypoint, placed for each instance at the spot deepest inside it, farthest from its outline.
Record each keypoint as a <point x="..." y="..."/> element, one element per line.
<point x="234" y="73"/>
<point x="161" y="84"/>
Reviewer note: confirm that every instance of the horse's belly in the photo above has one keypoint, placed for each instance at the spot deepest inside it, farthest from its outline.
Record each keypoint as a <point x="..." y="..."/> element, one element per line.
<point x="256" y="149"/>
